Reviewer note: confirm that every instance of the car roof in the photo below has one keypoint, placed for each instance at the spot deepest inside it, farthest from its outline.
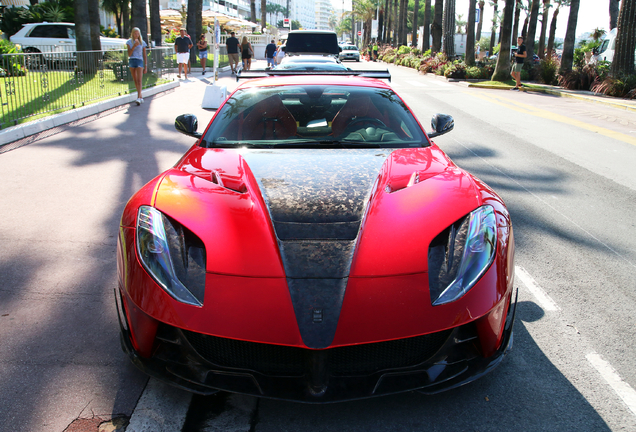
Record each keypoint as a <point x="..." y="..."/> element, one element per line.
<point x="296" y="80"/>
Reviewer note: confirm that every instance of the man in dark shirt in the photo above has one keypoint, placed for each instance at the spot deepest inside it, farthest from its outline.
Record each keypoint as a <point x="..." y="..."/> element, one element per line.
<point x="270" y="50"/>
<point x="182" y="45"/>
<point x="520" y="55"/>
<point x="232" y="45"/>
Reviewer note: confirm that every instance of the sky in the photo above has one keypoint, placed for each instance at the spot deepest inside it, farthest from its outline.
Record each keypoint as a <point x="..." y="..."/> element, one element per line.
<point x="592" y="14"/>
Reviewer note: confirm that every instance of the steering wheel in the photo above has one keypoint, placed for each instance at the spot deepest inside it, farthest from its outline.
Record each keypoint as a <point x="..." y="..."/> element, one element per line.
<point x="365" y="120"/>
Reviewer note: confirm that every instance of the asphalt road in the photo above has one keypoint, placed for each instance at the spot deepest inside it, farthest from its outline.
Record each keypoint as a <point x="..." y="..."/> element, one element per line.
<point x="563" y="166"/>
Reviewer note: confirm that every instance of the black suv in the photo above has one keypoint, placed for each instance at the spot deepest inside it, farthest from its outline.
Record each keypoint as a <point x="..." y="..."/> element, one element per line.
<point x="318" y="42"/>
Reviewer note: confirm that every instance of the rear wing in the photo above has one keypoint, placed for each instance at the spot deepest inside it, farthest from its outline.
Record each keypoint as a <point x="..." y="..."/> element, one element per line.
<point x="263" y="73"/>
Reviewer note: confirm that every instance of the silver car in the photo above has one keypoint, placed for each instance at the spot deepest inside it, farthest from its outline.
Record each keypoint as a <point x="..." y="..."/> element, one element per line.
<point x="349" y="52"/>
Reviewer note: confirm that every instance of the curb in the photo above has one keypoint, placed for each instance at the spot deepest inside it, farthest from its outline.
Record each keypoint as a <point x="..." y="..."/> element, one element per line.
<point x="15" y="133"/>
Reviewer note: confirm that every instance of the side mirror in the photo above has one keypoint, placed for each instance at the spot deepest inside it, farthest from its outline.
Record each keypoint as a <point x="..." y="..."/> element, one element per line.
<point x="187" y="124"/>
<point x="441" y="124"/>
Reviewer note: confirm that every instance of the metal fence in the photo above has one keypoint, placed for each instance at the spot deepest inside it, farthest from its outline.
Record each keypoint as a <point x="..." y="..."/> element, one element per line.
<point x="36" y="84"/>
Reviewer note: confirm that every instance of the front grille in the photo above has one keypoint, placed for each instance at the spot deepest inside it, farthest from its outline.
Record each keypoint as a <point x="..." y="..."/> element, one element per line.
<point x="278" y="360"/>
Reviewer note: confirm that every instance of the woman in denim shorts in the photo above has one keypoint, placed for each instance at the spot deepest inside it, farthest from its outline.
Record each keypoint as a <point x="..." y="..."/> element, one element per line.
<point x="202" y="45"/>
<point x="137" y="60"/>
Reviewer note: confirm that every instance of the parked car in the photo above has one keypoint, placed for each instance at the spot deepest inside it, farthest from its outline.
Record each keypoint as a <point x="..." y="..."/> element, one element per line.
<point x="320" y="42"/>
<point x="315" y="245"/>
<point x="349" y="52"/>
<point x="55" y="37"/>
<point x="606" y="51"/>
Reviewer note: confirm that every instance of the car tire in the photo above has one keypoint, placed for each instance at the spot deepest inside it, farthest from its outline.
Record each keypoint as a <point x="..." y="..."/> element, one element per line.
<point x="34" y="58"/>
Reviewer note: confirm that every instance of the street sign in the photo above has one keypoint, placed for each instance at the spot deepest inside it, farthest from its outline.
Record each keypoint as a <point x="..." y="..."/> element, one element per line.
<point x="359" y="33"/>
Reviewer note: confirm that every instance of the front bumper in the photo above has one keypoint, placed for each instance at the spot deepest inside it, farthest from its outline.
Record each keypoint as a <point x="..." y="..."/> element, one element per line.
<point x="430" y="364"/>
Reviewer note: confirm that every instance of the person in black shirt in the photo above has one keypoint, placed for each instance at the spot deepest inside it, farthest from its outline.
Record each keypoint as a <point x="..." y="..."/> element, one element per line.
<point x="232" y="45"/>
<point x="520" y="55"/>
<point x="182" y="46"/>
<point x="270" y="51"/>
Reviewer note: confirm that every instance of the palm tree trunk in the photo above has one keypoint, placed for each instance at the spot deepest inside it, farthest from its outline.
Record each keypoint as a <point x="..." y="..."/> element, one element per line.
<point x="613" y="12"/>
<point x="387" y="19"/>
<point x="515" y="27"/>
<point x="493" y="28"/>
<point x="396" y="20"/>
<point x="155" y="22"/>
<point x="570" y="34"/>
<point x="401" y="26"/>
<point x="93" y="16"/>
<point x="82" y="26"/>
<point x="125" y="13"/>
<point x="426" y="37"/>
<point x="253" y="11"/>
<point x="470" y="33"/>
<point x="264" y="14"/>
<point x="416" y="9"/>
<point x="532" y="30"/>
<point x="449" y="29"/>
<point x="138" y="17"/>
<point x="553" y="25"/>
<point x="502" y="69"/>
<point x="544" y="27"/>
<point x="437" y="26"/>
<point x="482" y="3"/>
<point x="623" y="63"/>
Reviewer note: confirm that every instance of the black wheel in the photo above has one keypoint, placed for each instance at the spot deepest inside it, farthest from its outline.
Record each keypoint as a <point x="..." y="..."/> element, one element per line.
<point x="34" y="58"/>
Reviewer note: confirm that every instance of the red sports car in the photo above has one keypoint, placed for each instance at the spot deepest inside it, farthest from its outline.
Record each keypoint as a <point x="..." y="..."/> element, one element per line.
<point x="314" y="245"/>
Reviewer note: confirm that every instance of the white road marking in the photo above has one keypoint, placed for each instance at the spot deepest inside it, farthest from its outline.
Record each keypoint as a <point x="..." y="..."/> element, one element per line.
<point x="622" y="389"/>
<point x="416" y="83"/>
<point x="161" y="408"/>
<point x="542" y="297"/>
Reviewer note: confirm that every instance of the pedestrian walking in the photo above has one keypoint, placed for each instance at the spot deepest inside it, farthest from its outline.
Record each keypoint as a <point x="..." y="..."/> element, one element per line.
<point x="202" y="46"/>
<point x="137" y="60"/>
<point x="270" y="52"/>
<point x="182" y="45"/>
<point x="232" y="45"/>
<point x="247" y="52"/>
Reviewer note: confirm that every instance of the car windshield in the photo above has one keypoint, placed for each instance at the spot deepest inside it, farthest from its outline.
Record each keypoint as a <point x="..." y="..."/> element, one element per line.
<point x="314" y="116"/>
<point x="310" y="66"/>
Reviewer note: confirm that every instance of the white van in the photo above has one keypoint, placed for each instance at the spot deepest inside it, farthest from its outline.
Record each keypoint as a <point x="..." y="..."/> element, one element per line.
<point x="606" y="50"/>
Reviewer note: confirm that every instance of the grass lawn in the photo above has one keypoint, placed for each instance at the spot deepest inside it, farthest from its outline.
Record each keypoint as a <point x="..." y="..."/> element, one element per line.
<point x="503" y="84"/>
<point x="38" y="93"/>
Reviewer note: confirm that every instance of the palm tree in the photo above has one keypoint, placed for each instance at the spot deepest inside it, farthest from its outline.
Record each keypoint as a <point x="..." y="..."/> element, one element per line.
<point x="138" y="16"/>
<point x="253" y="11"/>
<point x="470" y="33"/>
<point x="570" y="34"/>
<point x="264" y="14"/>
<point x="155" y="22"/>
<point x="436" y="28"/>
<point x="544" y="27"/>
<point x="449" y="29"/>
<point x="613" y="11"/>
<point x="532" y="29"/>
<point x="93" y="17"/>
<point x="82" y="26"/>
<point x="416" y="12"/>
<point x="502" y="69"/>
<point x="115" y="7"/>
<point x="515" y="27"/>
<point x="494" y="4"/>
<point x="365" y="11"/>
<point x="427" y="25"/>
<point x="481" y="3"/>
<point x="623" y="62"/>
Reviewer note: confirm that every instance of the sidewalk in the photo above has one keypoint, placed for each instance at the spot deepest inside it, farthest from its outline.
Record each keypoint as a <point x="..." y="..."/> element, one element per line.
<point x="31" y="131"/>
<point x="584" y="95"/>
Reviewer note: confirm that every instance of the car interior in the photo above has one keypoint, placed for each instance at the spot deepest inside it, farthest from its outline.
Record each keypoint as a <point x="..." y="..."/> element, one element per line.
<point x="318" y="113"/>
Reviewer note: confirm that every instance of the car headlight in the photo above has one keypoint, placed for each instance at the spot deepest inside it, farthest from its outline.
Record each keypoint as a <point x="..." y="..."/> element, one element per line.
<point x="461" y="254"/>
<point x="173" y="255"/>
